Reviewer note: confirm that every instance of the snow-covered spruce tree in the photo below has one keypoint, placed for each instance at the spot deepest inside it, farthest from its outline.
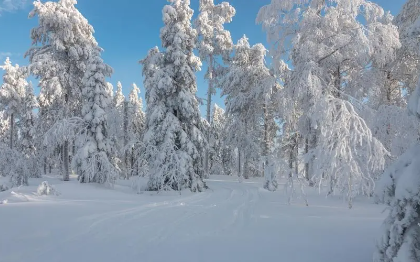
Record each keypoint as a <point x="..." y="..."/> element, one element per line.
<point x="174" y="134"/>
<point x="93" y="160"/>
<point x="58" y="58"/>
<point x="214" y="41"/>
<point x="135" y="130"/>
<point x="28" y="131"/>
<point x="399" y="188"/>
<point x="12" y="98"/>
<point x="135" y="114"/>
<point x="117" y="131"/>
<point x="248" y="85"/>
<point x="12" y="93"/>
<point x="216" y="142"/>
<point x="119" y="98"/>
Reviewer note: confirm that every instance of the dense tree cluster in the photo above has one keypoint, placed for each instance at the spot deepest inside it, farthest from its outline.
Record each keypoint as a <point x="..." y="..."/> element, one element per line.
<point x="330" y="109"/>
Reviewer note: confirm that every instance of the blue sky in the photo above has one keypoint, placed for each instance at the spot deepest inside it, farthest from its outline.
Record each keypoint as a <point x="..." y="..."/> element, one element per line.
<point x="127" y="29"/>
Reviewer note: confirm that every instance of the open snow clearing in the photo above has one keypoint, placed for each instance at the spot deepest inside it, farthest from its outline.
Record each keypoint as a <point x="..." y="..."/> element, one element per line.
<point x="231" y="221"/>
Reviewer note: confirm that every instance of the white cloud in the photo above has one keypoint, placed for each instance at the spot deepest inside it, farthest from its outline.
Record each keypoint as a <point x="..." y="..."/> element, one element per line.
<point x="12" y="5"/>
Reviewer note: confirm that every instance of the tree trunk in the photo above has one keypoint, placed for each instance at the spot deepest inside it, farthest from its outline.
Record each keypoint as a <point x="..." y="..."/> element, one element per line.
<point x="66" y="174"/>
<point x="12" y="125"/>
<point x="291" y="160"/>
<point x="45" y="165"/>
<point x="296" y="154"/>
<point x="266" y="135"/>
<point x="307" y="163"/>
<point x="65" y="153"/>
<point x="127" y="175"/>
<point x="239" y="163"/>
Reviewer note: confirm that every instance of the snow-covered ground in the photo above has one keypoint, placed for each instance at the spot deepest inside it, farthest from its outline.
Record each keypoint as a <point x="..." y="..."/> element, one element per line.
<point x="231" y="221"/>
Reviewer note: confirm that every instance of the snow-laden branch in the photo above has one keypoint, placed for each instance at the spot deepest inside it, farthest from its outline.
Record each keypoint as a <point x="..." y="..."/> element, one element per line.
<point x="64" y="130"/>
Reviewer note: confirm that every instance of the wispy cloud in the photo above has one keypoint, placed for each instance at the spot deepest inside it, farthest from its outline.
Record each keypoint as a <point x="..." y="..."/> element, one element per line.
<point x="3" y="55"/>
<point x="12" y="5"/>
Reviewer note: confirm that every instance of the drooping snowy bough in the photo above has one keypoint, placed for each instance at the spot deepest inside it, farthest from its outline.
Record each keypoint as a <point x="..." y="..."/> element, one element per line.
<point x="174" y="136"/>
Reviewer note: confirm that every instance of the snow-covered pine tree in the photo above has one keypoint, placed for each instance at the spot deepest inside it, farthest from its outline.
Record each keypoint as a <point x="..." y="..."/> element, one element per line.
<point x="174" y="134"/>
<point x="12" y="95"/>
<point x="248" y="86"/>
<point x="93" y="160"/>
<point x="12" y="99"/>
<point x="214" y="41"/>
<point x="61" y="44"/>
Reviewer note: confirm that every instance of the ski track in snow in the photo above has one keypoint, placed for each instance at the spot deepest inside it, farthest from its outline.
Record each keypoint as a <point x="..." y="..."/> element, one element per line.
<point x="231" y="221"/>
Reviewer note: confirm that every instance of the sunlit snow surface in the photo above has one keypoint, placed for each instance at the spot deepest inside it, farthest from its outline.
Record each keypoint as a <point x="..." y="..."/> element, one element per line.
<point x="230" y="222"/>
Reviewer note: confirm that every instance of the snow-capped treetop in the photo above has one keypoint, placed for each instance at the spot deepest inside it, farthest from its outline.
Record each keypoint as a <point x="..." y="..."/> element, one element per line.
<point x="337" y="35"/>
<point x="407" y="66"/>
<point x="134" y="96"/>
<point x="178" y="35"/>
<point x="407" y="21"/>
<point x="218" y="117"/>
<point x="248" y="80"/>
<point x="110" y="89"/>
<point x="135" y="114"/>
<point x="71" y="29"/>
<point x="13" y="89"/>
<point x="60" y="47"/>
<point x="119" y="97"/>
<point x="214" y="40"/>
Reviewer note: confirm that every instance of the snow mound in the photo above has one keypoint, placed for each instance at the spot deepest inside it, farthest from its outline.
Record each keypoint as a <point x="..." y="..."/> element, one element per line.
<point x="46" y="189"/>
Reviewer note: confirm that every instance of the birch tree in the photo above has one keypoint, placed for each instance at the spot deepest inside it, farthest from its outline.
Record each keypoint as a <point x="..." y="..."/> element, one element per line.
<point x="330" y="49"/>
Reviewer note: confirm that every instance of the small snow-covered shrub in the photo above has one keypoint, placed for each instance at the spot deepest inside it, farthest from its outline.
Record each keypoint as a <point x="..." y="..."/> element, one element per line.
<point x="46" y="189"/>
<point x="270" y="175"/>
<point x="3" y="188"/>
<point x="14" y="165"/>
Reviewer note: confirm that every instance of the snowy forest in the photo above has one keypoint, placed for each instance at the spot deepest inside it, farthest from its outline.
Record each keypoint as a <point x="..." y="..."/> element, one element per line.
<point x="331" y="105"/>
